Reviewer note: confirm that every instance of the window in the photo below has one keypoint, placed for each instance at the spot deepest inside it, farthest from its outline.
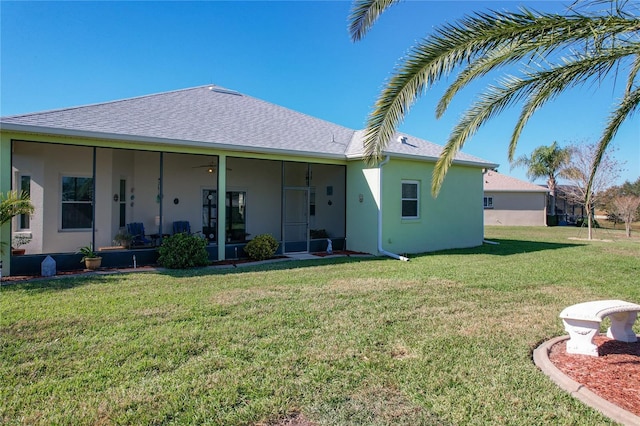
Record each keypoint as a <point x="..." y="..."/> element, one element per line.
<point x="123" y="203"/>
<point x="410" y="205"/>
<point x="77" y="202"/>
<point x="25" y="187"/>
<point x="488" y="202"/>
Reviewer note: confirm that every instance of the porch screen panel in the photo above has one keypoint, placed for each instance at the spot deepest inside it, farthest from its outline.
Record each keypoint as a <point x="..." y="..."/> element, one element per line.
<point x="296" y="174"/>
<point x="296" y="220"/>
<point x="209" y="213"/>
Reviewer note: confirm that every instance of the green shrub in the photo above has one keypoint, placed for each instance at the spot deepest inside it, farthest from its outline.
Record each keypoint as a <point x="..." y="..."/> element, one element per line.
<point x="318" y="233"/>
<point x="261" y="247"/>
<point x="180" y="251"/>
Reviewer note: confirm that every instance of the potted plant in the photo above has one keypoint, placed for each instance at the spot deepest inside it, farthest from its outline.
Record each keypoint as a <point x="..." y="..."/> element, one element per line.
<point x="18" y="241"/>
<point x="123" y="239"/>
<point x="89" y="257"/>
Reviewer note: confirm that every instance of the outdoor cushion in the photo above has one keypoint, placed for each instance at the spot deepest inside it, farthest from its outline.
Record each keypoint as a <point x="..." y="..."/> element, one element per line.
<point x="136" y="230"/>
<point x="181" y="226"/>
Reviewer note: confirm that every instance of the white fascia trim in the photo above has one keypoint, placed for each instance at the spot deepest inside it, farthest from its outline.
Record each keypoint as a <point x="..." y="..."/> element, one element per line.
<point x="83" y="134"/>
<point x="478" y="164"/>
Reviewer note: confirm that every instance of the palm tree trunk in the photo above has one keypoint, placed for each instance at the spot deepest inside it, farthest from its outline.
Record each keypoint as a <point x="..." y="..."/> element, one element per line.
<point x="551" y="183"/>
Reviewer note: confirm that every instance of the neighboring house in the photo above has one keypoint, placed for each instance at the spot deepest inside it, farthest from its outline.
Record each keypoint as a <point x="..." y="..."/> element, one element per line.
<point x="513" y="202"/>
<point x="234" y="167"/>
<point x="567" y="209"/>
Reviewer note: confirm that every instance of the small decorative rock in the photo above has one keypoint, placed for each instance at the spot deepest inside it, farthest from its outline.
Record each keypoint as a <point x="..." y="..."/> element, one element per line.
<point x="48" y="267"/>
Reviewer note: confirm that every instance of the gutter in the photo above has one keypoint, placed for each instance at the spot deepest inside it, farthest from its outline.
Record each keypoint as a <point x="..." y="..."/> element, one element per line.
<point x="380" y="249"/>
<point x="155" y="140"/>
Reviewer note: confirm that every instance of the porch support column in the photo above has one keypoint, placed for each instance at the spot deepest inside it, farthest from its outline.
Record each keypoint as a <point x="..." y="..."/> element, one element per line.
<point x="93" y="204"/>
<point x="222" y="215"/>
<point x="161" y="195"/>
<point x="5" y="186"/>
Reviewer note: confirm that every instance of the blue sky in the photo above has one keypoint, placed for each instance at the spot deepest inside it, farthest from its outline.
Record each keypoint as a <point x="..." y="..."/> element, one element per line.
<point x="296" y="54"/>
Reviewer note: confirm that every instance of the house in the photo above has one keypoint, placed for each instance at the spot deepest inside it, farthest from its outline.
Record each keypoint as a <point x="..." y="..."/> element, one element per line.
<point x="234" y="167"/>
<point x="569" y="211"/>
<point x="513" y="202"/>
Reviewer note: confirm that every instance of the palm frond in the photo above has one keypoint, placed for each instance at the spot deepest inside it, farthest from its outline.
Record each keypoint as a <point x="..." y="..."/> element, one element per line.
<point x="629" y="105"/>
<point x="364" y="13"/>
<point x="14" y="203"/>
<point x="633" y="73"/>
<point x="538" y="89"/>
<point x="548" y="84"/>
<point x="486" y="41"/>
<point x="490" y="103"/>
<point x="500" y="39"/>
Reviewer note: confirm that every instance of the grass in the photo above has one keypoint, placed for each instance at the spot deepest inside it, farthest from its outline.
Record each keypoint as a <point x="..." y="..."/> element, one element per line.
<point x="444" y="339"/>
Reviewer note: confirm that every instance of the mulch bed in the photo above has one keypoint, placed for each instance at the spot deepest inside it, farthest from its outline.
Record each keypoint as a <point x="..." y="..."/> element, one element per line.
<point x="613" y="375"/>
<point x="234" y="262"/>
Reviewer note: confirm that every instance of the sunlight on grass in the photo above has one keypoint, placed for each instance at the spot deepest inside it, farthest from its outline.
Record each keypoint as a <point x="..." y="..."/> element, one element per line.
<point x="443" y="339"/>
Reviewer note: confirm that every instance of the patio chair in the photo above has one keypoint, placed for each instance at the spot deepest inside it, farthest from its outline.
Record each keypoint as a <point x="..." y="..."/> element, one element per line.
<point x="181" y="226"/>
<point x="138" y="238"/>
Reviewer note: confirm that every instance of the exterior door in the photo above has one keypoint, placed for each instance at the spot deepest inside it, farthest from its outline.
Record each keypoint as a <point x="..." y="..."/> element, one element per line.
<point x="295" y="232"/>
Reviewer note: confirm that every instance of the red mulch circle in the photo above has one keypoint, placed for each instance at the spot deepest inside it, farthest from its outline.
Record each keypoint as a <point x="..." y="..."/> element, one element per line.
<point x="613" y="375"/>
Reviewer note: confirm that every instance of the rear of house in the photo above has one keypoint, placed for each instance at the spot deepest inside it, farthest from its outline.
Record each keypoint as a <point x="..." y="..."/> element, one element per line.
<point x="232" y="167"/>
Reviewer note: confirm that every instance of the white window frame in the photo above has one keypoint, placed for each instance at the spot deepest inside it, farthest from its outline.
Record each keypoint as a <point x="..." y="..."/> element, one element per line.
<point x="416" y="199"/>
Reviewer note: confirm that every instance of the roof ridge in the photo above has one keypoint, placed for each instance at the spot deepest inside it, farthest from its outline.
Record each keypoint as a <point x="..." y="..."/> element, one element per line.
<point x="271" y="104"/>
<point x="111" y="102"/>
<point x="497" y="181"/>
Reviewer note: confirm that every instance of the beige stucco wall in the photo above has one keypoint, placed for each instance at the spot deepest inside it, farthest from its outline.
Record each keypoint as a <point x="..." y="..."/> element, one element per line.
<point x="516" y="209"/>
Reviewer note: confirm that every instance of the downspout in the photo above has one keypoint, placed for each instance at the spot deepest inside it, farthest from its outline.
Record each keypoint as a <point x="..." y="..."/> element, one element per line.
<point x="380" y="249"/>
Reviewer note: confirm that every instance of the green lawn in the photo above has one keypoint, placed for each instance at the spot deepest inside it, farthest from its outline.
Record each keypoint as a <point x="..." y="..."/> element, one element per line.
<point x="444" y="339"/>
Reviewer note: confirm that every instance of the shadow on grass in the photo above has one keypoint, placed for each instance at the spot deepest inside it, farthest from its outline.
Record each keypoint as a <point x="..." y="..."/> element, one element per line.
<point x="285" y="264"/>
<point x="506" y="248"/>
<point x="70" y="281"/>
<point x="60" y="282"/>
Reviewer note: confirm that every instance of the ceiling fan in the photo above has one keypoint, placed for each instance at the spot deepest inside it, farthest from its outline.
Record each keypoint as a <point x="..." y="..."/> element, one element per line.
<point x="211" y="167"/>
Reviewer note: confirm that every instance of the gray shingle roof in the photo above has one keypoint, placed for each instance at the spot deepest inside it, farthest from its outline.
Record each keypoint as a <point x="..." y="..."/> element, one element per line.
<point x="216" y="117"/>
<point x="403" y="145"/>
<point x="494" y="181"/>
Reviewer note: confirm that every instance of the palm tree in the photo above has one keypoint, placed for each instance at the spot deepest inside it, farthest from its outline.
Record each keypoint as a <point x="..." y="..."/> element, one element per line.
<point x="546" y="162"/>
<point x="12" y="204"/>
<point x="561" y="51"/>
